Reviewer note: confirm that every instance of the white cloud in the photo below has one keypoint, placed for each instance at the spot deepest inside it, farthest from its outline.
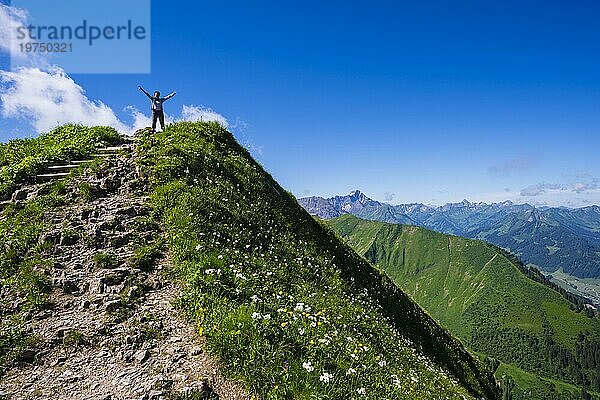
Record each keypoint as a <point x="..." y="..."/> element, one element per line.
<point x="10" y="19"/>
<point x="46" y="99"/>
<point x="140" y="120"/>
<point x="195" y="113"/>
<point x="44" y="96"/>
<point x="517" y="164"/>
<point x="573" y="187"/>
<point x="51" y="98"/>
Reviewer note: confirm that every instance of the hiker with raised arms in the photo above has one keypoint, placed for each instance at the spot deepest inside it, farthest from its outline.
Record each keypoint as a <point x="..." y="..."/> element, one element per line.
<point x="157" y="107"/>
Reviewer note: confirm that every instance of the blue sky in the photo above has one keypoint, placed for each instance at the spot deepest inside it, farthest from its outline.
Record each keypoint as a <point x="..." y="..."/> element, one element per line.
<point x="406" y="101"/>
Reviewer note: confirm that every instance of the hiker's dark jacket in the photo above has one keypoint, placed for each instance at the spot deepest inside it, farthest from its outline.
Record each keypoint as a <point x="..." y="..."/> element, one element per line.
<point x="157" y="103"/>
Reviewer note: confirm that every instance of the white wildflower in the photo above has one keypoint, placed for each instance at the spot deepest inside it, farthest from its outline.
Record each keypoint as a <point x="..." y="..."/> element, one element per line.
<point x="325" y="377"/>
<point x="239" y="275"/>
<point x="350" y="371"/>
<point x="308" y="366"/>
<point x="361" y="390"/>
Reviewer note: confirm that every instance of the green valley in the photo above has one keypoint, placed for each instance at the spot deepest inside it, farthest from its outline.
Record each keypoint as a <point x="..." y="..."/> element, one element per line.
<point x="525" y="330"/>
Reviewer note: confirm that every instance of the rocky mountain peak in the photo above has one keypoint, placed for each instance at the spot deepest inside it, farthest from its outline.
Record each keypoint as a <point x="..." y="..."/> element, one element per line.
<point x="358" y="196"/>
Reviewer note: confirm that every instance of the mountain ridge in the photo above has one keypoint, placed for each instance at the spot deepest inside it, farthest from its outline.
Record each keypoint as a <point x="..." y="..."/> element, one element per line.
<point x="551" y="238"/>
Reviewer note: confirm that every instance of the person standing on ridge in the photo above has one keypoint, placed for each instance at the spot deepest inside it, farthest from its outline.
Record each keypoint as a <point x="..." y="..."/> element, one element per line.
<point x="157" y="107"/>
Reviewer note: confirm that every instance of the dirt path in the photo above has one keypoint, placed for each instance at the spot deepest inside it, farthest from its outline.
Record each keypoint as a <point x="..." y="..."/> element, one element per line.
<point x="112" y="332"/>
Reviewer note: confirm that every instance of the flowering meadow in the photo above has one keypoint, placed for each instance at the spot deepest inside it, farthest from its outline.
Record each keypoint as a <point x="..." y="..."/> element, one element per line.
<point x="289" y="310"/>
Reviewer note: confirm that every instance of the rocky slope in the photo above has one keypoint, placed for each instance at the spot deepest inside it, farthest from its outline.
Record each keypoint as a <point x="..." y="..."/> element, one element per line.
<point x="109" y="330"/>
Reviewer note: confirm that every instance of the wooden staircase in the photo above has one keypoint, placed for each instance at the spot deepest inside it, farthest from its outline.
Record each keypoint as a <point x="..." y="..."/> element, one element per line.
<point x="61" y="171"/>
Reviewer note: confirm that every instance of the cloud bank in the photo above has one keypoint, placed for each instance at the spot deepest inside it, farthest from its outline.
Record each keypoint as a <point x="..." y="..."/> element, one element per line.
<point x="516" y="164"/>
<point x="574" y="187"/>
<point x="50" y="98"/>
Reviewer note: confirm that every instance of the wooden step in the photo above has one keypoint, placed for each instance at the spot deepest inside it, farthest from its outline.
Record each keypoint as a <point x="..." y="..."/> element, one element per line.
<point x="111" y="149"/>
<point x="52" y="177"/>
<point x="79" y="162"/>
<point x="68" y="167"/>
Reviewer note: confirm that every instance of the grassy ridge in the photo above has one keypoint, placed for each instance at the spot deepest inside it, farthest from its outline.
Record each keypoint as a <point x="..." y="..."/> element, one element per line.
<point x="287" y="307"/>
<point x="480" y="296"/>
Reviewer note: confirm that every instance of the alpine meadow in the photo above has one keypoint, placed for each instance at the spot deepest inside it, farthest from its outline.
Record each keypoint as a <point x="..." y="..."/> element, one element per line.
<point x="539" y="343"/>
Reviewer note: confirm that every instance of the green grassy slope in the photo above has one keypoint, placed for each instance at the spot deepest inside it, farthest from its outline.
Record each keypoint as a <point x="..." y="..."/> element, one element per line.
<point x="527" y="385"/>
<point x="289" y="308"/>
<point x="483" y="298"/>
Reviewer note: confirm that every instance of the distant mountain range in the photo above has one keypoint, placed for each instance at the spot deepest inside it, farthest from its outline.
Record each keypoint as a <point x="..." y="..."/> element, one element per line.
<point x="549" y="238"/>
